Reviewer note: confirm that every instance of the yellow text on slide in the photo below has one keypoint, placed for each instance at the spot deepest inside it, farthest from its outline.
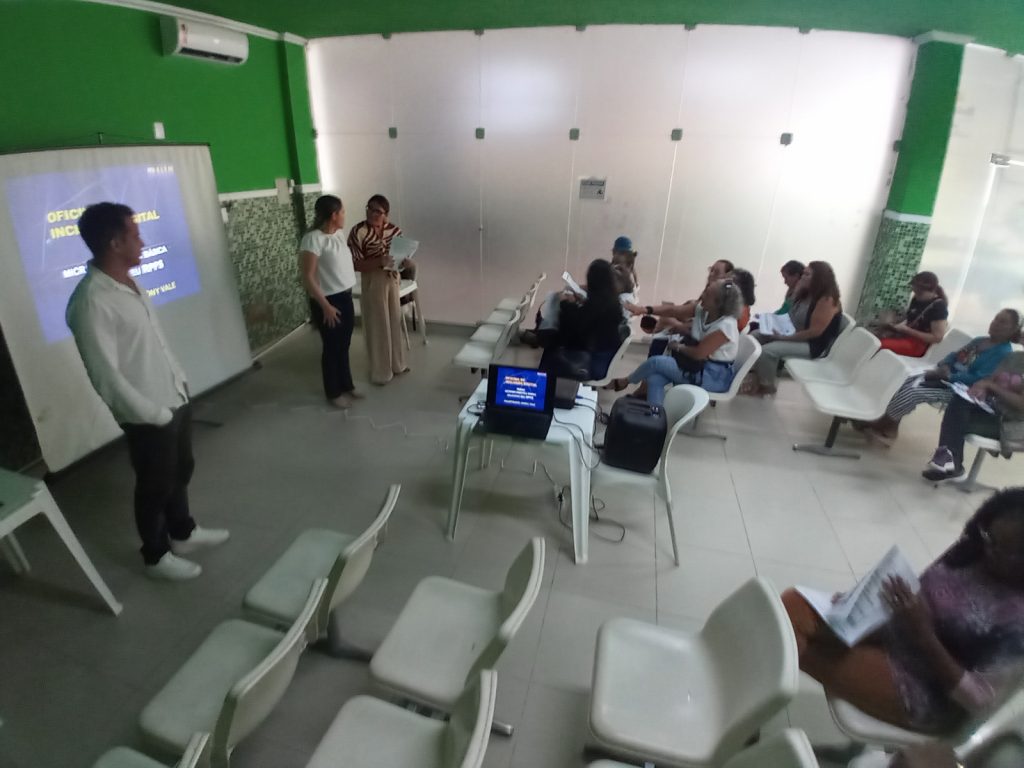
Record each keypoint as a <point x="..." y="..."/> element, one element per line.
<point x="165" y="288"/>
<point x="143" y="216"/>
<point x="71" y="215"/>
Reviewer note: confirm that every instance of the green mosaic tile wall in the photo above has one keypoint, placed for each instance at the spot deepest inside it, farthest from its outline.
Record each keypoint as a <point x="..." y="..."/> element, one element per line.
<point x="895" y="259"/>
<point x="263" y="237"/>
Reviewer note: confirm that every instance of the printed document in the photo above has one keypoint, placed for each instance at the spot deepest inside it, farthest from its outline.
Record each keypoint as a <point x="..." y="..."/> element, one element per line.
<point x="779" y="325"/>
<point x="859" y="612"/>
<point x="403" y="248"/>
<point x="962" y="390"/>
<point x="573" y="285"/>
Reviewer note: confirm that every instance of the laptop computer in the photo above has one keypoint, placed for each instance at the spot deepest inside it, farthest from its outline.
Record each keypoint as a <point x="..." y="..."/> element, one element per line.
<point x="520" y="401"/>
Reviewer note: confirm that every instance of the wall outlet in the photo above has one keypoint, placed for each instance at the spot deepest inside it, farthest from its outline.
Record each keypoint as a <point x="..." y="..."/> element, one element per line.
<point x="284" y="192"/>
<point x="158" y="131"/>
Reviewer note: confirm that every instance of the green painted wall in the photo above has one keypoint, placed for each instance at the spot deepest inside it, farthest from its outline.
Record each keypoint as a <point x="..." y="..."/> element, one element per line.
<point x="926" y="131"/>
<point x="73" y="70"/>
<point x="993" y="22"/>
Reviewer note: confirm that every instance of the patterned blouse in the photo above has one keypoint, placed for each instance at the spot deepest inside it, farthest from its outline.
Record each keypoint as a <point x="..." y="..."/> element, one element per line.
<point x="365" y="243"/>
<point x="980" y="621"/>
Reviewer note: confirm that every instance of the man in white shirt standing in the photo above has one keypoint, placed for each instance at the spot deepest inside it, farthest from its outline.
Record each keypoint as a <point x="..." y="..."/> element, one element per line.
<point x="135" y="374"/>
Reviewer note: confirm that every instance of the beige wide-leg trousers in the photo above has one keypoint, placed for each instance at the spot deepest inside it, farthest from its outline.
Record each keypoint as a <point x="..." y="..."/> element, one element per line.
<point x="382" y="324"/>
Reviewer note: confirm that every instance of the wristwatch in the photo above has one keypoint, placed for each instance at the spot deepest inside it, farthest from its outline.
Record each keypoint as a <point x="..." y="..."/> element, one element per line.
<point x="649" y="309"/>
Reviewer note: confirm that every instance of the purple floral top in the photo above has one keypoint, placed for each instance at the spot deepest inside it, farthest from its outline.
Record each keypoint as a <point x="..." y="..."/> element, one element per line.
<point x="980" y="621"/>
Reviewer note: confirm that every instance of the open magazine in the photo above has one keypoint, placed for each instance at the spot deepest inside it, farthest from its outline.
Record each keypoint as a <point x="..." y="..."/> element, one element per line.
<point x="859" y="612"/>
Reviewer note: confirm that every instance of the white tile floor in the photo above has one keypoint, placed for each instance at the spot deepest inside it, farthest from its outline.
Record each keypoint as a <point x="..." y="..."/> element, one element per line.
<point x="73" y="679"/>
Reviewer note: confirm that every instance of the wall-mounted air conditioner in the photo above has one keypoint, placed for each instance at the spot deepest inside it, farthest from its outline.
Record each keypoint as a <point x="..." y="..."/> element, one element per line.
<point x="200" y="40"/>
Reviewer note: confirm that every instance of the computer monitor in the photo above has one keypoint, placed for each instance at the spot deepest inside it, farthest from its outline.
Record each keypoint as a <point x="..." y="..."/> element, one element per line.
<point x="520" y="389"/>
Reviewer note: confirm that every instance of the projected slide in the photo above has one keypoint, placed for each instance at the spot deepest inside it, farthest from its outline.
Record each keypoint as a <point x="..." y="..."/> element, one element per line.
<point x="45" y="209"/>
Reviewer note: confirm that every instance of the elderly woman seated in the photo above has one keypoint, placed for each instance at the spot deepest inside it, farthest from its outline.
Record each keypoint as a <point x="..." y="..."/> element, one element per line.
<point x="706" y="357"/>
<point x="952" y="650"/>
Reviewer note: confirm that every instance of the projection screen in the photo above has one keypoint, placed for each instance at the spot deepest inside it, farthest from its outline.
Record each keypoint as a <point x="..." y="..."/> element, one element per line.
<point x="185" y="268"/>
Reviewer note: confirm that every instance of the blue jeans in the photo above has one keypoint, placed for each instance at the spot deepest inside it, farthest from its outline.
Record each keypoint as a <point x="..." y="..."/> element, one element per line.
<point x="659" y="371"/>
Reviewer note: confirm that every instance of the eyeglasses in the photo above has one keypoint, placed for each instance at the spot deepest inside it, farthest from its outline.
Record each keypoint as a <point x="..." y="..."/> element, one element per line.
<point x="376" y="211"/>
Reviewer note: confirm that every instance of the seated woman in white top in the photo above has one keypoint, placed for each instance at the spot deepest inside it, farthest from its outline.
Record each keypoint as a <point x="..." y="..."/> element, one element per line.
<point x="706" y="362"/>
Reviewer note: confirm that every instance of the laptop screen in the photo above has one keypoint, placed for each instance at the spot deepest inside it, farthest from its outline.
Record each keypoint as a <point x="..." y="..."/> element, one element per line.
<point x="521" y="388"/>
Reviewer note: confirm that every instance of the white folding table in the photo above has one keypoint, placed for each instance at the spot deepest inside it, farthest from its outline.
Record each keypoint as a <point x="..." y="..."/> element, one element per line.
<point x="22" y="498"/>
<point x="573" y="428"/>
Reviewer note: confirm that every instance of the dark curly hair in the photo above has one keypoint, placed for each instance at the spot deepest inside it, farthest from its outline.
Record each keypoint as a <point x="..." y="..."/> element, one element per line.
<point x="970" y="548"/>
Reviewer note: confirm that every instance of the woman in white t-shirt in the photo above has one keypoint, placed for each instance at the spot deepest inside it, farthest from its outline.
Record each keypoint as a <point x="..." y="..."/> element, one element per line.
<point x="708" y="361"/>
<point x="325" y="266"/>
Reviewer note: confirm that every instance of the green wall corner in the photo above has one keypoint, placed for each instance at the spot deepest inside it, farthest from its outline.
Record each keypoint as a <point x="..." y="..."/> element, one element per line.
<point x="76" y="70"/>
<point x="926" y="131"/>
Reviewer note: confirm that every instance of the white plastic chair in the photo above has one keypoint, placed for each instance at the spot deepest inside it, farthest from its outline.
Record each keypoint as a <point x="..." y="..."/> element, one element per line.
<point x="694" y="699"/>
<point x="970" y="738"/>
<point x="984" y="445"/>
<point x="448" y="631"/>
<point x="608" y="376"/>
<point x="951" y="342"/>
<point x="746" y="356"/>
<point x="280" y="594"/>
<point x="370" y="733"/>
<point x="848" y="354"/>
<point x="476" y="355"/>
<point x="230" y="684"/>
<point x="786" y="749"/>
<point x="197" y="755"/>
<point x="511" y="302"/>
<point x="489" y="333"/>
<point x="865" y="398"/>
<point x="683" y="404"/>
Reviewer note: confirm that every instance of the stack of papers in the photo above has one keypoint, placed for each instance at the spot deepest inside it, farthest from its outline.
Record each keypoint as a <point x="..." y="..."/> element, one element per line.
<point x="855" y="614"/>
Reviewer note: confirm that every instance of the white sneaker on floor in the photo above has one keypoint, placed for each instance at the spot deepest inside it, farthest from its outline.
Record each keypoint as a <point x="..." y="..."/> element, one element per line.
<point x="170" y="567"/>
<point x="201" y="537"/>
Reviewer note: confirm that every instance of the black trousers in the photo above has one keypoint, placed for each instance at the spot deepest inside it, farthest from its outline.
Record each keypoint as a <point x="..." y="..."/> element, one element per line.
<point x="334" y="363"/>
<point x="163" y="464"/>
<point x="961" y="419"/>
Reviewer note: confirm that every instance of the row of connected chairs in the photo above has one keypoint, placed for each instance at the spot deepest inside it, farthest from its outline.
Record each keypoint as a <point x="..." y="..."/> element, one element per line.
<point x="492" y="337"/>
<point x="238" y="674"/>
<point x="856" y="381"/>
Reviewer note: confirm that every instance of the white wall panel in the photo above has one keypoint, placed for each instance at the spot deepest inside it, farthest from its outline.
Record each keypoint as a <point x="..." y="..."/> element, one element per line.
<point x="828" y="207"/>
<point x="851" y="85"/>
<point x="440" y="180"/>
<point x="436" y="83"/>
<point x="526" y="183"/>
<point x="722" y="205"/>
<point x="727" y="190"/>
<point x="631" y="78"/>
<point x="356" y="166"/>
<point x="639" y="174"/>
<point x="739" y="80"/>
<point x="350" y="84"/>
<point x="529" y="81"/>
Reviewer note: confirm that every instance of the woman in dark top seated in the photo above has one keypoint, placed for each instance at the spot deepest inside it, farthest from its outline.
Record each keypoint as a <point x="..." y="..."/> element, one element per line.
<point x="590" y="331"/>
<point x="925" y="322"/>
<point x="818" y="285"/>
<point x="952" y="650"/>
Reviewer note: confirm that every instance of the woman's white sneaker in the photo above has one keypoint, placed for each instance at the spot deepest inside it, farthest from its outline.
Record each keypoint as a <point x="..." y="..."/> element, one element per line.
<point x="170" y="567"/>
<point x="200" y="537"/>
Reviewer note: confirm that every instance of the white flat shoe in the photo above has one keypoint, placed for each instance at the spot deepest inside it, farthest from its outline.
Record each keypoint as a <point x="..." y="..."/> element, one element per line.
<point x="170" y="567"/>
<point x="201" y="537"/>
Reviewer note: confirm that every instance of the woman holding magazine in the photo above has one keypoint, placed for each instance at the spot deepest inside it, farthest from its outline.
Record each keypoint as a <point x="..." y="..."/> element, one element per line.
<point x="948" y="652"/>
<point x="976" y="360"/>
